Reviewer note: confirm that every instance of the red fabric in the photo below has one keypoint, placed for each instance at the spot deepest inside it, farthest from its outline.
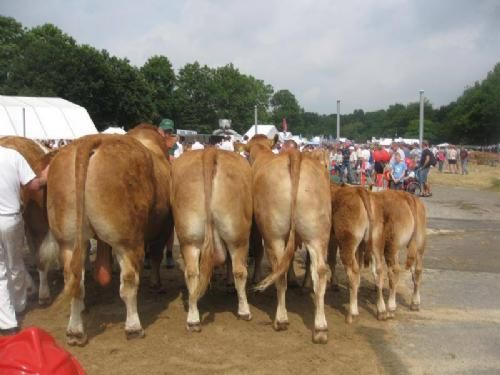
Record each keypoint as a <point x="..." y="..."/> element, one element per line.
<point x="381" y="156"/>
<point x="33" y="351"/>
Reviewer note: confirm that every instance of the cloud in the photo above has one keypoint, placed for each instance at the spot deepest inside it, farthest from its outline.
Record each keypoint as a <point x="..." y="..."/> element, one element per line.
<point x="369" y="53"/>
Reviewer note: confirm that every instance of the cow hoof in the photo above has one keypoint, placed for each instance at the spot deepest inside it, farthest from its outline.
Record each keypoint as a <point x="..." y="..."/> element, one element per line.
<point x="382" y="315"/>
<point x="414" y="307"/>
<point x="44" y="301"/>
<point x="135" y="334"/>
<point x="320" y="336"/>
<point x="193" y="327"/>
<point x="76" y="339"/>
<point x="245" y="317"/>
<point x="391" y="314"/>
<point x="280" y="326"/>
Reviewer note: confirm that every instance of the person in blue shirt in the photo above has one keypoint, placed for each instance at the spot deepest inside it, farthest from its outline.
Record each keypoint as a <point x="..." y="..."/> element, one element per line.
<point x="398" y="169"/>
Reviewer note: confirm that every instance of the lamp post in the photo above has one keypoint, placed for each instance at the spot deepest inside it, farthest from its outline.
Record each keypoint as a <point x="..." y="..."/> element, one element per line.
<point x="338" y="120"/>
<point x="255" y="118"/>
<point x="421" y="125"/>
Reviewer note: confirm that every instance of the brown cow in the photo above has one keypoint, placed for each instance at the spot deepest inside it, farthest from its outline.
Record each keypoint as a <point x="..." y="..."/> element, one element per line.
<point x="290" y="193"/>
<point x="112" y="188"/>
<point x="212" y="207"/>
<point x="396" y="221"/>
<point x="40" y="240"/>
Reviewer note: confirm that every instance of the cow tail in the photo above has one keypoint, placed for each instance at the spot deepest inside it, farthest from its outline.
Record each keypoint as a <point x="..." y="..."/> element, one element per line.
<point x="412" y="246"/>
<point x="83" y="154"/>
<point x="209" y="162"/>
<point x="364" y="195"/>
<point x="295" y="158"/>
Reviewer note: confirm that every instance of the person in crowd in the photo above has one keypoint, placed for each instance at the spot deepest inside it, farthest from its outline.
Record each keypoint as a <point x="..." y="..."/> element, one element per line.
<point x="380" y="158"/>
<point x="423" y="170"/>
<point x="226" y="144"/>
<point x="345" y="169"/>
<point x="464" y="158"/>
<point x="395" y="148"/>
<point x="452" y="159"/>
<point x="416" y="153"/>
<point x="353" y="163"/>
<point x="197" y="146"/>
<point x="166" y="130"/>
<point x="180" y="147"/>
<point x="441" y="156"/>
<point x="14" y="173"/>
<point x="289" y="144"/>
<point x="398" y="169"/>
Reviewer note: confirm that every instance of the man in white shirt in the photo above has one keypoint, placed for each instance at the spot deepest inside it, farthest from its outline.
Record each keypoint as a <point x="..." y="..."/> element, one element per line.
<point x="197" y="146"/>
<point x="226" y="144"/>
<point x="395" y="148"/>
<point x="14" y="172"/>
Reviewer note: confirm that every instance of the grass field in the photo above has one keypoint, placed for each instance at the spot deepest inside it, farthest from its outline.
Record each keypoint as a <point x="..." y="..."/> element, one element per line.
<point x="480" y="177"/>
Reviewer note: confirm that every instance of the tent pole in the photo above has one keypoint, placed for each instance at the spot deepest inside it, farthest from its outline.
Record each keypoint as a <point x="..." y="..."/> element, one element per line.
<point x="24" y="122"/>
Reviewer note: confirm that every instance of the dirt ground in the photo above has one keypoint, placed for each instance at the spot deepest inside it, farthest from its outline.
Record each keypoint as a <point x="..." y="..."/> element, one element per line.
<point x="433" y="340"/>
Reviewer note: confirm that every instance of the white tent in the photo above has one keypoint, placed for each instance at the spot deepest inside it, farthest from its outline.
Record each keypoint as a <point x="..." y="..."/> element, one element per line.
<point x="44" y="118"/>
<point x="114" y="130"/>
<point x="268" y="130"/>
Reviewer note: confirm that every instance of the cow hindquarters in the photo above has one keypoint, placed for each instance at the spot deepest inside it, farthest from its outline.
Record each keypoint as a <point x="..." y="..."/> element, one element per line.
<point x="130" y="260"/>
<point x="319" y="274"/>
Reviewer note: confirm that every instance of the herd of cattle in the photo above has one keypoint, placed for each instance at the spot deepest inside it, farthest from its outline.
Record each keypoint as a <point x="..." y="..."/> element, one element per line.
<point x="122" y="191"/>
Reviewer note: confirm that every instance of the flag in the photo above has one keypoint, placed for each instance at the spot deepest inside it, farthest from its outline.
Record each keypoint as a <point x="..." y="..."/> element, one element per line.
<point x="284" y="125"/>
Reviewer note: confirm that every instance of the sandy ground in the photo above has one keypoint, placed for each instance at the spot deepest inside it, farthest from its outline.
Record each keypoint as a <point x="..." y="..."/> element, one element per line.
<point x="457" y="330"/>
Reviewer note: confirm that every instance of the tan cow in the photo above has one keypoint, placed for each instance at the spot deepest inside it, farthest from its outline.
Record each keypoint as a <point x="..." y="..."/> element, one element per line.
<point x="212" y="207"/>
<point x="112" y="188"/>
<point x="40" y="240"/>
<point x="396" y="221"/>
<point x="291" y="196"/>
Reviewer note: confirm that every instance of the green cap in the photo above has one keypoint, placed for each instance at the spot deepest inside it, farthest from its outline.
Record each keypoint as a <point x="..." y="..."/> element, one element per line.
<point x="167" y="124"/>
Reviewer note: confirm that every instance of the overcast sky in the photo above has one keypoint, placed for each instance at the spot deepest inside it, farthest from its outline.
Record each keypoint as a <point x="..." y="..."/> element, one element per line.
<point x="369" y="53"/>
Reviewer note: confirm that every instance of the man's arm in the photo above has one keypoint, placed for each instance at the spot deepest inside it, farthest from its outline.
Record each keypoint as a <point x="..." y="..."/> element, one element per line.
<point x="39" y="182"/>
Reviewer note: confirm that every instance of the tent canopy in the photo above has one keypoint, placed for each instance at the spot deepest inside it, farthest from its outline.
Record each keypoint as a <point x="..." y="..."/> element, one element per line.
<point x="114" y="130"/>
<point x="46" y="118"/>
<point x="268" y="130"/>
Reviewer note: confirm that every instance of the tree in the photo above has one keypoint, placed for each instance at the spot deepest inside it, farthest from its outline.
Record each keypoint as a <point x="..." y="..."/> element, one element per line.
<point x="160" y="76"/>
<point x="11" y="33"/>
<point x="285" y="105"/>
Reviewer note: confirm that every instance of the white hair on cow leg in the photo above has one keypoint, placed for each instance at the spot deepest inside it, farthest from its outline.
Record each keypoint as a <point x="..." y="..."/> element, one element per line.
<point x="128" y="293"/>
<point x="75" y="325"/>
<point x="191" y="255"/>
<point x="48" y="259"/>
<point x="238" y="259"/>
<point x="319" y="276"/>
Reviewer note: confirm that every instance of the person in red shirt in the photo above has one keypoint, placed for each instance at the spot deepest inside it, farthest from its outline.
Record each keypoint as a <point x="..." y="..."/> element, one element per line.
<point x="380" y="157"/>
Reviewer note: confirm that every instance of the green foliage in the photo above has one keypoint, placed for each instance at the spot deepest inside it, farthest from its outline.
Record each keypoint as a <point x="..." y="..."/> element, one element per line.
<point x="44" y="61"/>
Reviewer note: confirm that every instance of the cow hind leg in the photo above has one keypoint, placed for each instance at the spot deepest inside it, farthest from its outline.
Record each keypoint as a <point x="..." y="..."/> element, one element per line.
<point x="275" y="251"/>
<point x="348" y="249"/>
<point x="378" y="276"/>
<point x="75" y="332"/>
<point x="238" y="259"/>
<point x="417" y="278"/>
<point x="332" y="262"/>
<point x="130" y="262"/>
<point x="394" y="270"/>
<point x="43" y="289"/>
<point x="191" y="255"/>
<point x="319" y="275"/>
